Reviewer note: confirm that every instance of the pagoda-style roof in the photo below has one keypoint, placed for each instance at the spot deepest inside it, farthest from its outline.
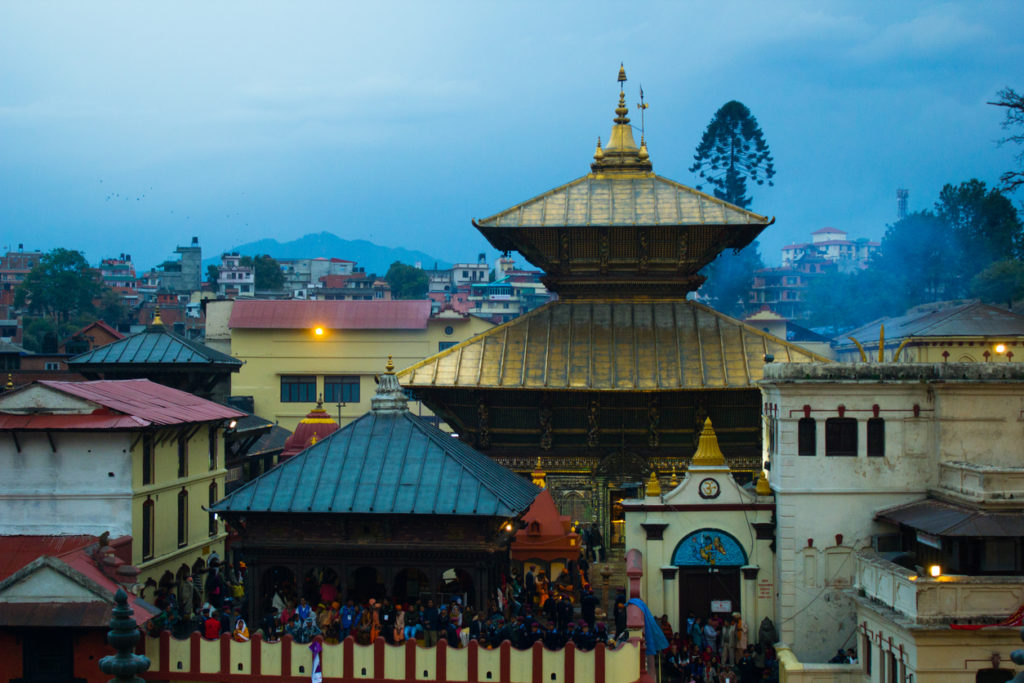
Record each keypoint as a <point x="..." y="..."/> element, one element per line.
<point x="624" y="345"/>
<point x="156" y="346"/>
<point x="621" y="227"/>
<point x="615" y="200"/>
<point x="387" y="462"/>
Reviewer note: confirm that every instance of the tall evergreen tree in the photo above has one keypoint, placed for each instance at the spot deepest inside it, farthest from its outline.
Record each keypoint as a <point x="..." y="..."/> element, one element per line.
<point x="731" y="152"/>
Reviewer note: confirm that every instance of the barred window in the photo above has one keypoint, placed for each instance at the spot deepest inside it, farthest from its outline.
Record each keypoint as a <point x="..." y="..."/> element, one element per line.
<point x="807" y="436"/>
<point x="876" y="437"/>
<point x="841" y="436"/>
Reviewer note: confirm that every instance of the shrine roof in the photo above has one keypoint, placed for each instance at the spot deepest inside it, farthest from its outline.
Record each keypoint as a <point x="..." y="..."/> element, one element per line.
<point x="388" y="461"/>
<point x="626" y="345"/>
<point x="156" y="345"/>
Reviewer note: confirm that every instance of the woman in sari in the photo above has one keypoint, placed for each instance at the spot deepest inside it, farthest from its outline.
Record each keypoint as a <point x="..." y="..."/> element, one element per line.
<point x="241" y="632"/>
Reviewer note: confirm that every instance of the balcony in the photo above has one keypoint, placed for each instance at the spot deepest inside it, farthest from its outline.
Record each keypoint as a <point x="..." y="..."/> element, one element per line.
<point x="982" y="483"/>
<point x="939" y="600"/>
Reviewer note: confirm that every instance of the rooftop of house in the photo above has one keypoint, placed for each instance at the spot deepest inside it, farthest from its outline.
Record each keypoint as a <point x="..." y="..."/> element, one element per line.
<point x="334" y="315"/>
<point x="105" y="404"/>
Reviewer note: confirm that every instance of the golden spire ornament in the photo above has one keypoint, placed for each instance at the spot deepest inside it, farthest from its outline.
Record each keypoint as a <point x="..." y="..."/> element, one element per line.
<point x="708" y="453"/>
<point x="653" y="487"/>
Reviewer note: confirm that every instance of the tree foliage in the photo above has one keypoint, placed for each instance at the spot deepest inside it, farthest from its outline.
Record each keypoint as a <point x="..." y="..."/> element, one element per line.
<point x="731" y="152"/>
<point x="406" y="282"/>
<point x="212" y="274"/>
<point x="1000" y="283"/>
<point x="968" y="246"/>
<point x="61" y="284"/>
<point x="730" y="277"/>
<point x="112" y="308"/>
<point x="266" y="270"/>
<point x="1014" y="122"/>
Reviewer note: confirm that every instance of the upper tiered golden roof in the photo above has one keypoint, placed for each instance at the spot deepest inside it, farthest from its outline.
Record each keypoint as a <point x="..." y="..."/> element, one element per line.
<point x="622" y="225"/>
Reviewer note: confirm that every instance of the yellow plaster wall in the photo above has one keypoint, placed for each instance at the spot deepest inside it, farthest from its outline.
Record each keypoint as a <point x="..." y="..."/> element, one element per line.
<point x="268" y="354"/>
<point x="167" y="555"/>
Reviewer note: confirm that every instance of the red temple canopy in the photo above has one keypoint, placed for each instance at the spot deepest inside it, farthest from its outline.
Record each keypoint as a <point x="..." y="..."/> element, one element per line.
<point x="547" y="535"/>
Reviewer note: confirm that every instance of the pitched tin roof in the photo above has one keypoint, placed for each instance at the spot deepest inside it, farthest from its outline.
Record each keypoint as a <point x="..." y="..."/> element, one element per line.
<point x="149" y="402"/>
<point x="156" y="345"/>
<point x="972" y="319"/>
<point x="610" y="345"/>
<point x="386" y="462"/>
<point x="334" y="315"/>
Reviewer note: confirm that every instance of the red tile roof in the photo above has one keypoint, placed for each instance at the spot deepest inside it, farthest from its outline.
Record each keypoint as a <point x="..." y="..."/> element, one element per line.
<point x="149" y="402"/>
<point x="335" y="315"/>
<point x="17" y="551"/>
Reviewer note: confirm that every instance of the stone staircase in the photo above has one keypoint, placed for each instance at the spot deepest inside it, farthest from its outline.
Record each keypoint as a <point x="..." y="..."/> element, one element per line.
<point x="615" y="564"/>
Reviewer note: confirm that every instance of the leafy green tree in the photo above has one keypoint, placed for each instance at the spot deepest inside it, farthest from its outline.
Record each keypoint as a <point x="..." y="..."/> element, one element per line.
<point x="112" y="308"/>
<point x="267" y="271"/>
<point x="61" y="284"/>
<point x="406" y="282"/>
<point x="912" y="265"/>
<point x="1014" y="121"/>
<point x="731" y="152"/>
<point x="985" y="228"/>
<point x="836" y="301"/>
<point x="730" y="277"/>
<point x="212" y="273"/>
<point x="1001" y="282"/>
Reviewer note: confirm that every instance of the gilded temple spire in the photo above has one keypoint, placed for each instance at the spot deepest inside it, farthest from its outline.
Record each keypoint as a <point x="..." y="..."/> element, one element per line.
<point x="621" y="154"/>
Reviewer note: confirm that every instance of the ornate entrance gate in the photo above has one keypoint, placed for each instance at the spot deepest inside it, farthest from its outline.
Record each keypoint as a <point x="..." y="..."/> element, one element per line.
<point x="709" y="562"/>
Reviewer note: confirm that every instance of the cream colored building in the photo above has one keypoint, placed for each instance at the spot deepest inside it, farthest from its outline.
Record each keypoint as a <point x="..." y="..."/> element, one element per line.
<point x="940" y="332"/>
<point x="297" y="351"/>
<point x="124" y="457"/>
<point x="706" y="543"/>
<point x="880" y="471"/>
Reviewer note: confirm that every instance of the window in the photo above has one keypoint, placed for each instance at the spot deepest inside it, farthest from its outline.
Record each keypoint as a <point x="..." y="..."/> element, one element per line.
<point x="213" y="447"/>
<point x="841" y="436"/>
<point x="344" y="388"/>
<point x="147" y="529"/>
<point x="807" y="436"/>
<point x="441" y="346"/>
<point x="298" y="389"/>
<point x="213" y="518"/>
<point x="147" y="459"/>
<point x="876" y="437"/>
<point x="183" y="518"/>
<point x="183" y="455"/>
<point x="51" y="365"/>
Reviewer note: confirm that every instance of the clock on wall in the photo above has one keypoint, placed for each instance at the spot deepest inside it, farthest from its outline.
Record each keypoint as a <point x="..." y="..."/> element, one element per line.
<point x="709" y="488"/>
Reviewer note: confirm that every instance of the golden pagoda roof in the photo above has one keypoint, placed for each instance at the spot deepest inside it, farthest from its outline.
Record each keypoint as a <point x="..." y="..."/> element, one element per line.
<point x="621" y="199"/>
<point x="623" y="345"/>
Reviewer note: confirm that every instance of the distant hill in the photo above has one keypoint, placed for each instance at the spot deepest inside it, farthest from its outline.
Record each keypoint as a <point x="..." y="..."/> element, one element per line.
<point x="373" y="257"/>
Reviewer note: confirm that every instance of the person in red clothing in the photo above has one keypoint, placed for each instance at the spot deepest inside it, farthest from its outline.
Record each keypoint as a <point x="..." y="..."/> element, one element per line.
<point x="211" y="626"/>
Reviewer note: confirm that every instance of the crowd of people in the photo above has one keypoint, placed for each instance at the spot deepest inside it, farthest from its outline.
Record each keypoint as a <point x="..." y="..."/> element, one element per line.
<point x="524" y="611"/>
<point x="717" y="649"/>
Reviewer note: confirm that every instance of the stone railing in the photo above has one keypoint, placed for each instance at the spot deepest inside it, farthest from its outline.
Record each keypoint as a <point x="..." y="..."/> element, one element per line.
<point x="982" y="483"/>
<point x="224" y="660"/>
<point x="943" y="599"/>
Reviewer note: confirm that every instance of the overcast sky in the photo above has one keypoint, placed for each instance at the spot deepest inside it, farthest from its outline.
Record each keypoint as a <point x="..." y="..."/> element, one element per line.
<point x="130" y="127"/>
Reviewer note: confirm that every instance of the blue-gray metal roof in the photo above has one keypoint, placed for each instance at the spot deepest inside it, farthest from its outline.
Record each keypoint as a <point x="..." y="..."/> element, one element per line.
<point x="386" y="462"/>
<point x="156" y="345"/>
